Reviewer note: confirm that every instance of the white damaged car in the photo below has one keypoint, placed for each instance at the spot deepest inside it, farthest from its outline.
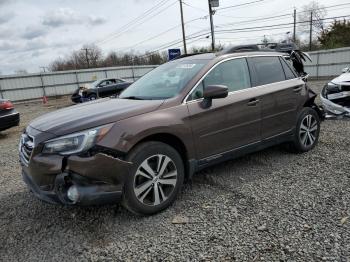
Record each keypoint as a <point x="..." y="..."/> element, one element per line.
<point x="335" y="96"/>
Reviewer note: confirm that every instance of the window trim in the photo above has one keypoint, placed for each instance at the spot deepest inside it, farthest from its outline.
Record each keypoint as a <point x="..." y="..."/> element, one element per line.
<point x="185" y="100"/>
<point x="283" y="61"/>
<point x="221" y="62"/>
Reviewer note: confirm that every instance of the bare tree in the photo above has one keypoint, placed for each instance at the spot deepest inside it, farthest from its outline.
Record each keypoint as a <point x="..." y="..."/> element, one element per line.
<point x="318" y="12"/>
<point x="91" y="55"/>
<point x="94" y="55"/>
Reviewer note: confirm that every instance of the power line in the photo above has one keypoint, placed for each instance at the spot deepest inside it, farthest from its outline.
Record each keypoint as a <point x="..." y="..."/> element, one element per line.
<point x="138" y="20"/>
<point x="278" y="16"/>
<point x="258" y="19"/>
<point x="141" y="22"/>
<point x="243" y="4"/>
<point x="160" y="34"/>
<point x="238" y="30"/>
<point x="276" y="25"/>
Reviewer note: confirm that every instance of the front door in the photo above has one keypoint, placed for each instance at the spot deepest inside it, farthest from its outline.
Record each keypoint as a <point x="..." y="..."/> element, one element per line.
<point x="107" y="88"/>
<point x="230" y="122"/>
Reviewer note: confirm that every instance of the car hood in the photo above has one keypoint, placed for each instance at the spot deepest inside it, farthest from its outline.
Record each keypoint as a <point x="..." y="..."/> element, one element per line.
<point x="92" y="114"/>
<point x="342" y="79"/>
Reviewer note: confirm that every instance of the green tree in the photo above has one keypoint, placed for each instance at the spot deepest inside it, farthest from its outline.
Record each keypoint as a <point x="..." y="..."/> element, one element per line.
<point x="336" y="36"/>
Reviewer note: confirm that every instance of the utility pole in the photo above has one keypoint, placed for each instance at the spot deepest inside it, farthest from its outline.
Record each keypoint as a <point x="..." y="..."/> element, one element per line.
<point x="44" y="68"/>
<point x="295" y="26"/>
<point x="211" y="26"/>
<point x="87" y="56"/>
<point x="183" y="27"/>
<point x="310" y="47"/>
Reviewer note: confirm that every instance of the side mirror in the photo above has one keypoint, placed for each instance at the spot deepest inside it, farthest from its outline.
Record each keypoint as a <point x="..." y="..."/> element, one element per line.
<point x="345" y="70"/>
<point x="215" y="92"/>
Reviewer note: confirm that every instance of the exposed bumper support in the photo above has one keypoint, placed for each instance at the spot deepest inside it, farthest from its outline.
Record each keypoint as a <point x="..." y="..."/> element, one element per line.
<point x="335" y="109"/>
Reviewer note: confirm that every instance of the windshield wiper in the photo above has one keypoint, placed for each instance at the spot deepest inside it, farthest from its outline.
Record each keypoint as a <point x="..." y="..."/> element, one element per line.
<point x="132" y="98"/>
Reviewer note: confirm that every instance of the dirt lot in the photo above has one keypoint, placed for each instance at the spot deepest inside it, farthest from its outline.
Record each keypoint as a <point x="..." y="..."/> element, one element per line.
<point x="267" y="206"/>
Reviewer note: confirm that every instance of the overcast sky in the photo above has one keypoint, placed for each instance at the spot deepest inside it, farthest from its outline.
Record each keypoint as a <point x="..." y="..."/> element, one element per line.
<point x="35" y="32"/>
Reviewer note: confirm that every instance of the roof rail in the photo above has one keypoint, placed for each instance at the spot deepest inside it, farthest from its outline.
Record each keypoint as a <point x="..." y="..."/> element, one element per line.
<point x="192" y="54"/>
<point x="268" y="47"/>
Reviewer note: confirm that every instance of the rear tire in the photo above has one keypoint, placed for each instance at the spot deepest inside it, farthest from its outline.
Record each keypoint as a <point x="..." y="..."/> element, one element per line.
<point x="154" y="180"/>
<point x="307" y="131"/>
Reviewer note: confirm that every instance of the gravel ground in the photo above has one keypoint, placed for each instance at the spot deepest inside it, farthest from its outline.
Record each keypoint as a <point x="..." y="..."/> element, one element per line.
<point x="267" y="206"/>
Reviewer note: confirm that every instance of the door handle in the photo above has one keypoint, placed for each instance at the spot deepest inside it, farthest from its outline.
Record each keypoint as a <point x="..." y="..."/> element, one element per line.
<point x="253" y="102"/>
<point x="297" y="89"/>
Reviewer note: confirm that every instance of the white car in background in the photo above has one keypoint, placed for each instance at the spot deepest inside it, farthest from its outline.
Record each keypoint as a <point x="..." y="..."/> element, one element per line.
<point x="335" y="96"/>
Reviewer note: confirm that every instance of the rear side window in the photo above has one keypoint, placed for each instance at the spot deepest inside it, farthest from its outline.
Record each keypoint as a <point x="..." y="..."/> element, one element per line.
<point x="287" y="70"/>
<point x="268" y="69"/>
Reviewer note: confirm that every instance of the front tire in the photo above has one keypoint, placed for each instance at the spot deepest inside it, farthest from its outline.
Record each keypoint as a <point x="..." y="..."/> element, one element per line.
<point x="92" y="97"/>
<point x="155" y="178"/>
<point x="307" y="131"/>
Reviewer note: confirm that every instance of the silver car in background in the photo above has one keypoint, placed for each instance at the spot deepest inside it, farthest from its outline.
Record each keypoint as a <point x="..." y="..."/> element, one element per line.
<point x="335" y="95"/>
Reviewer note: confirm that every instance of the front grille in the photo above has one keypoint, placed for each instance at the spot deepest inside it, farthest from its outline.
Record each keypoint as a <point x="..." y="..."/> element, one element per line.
<point x="345" y="87"/>
<point x="26" y="148"/>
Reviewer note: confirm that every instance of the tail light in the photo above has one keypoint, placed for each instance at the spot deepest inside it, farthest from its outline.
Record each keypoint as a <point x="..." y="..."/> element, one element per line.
<point x="6" y="105"/>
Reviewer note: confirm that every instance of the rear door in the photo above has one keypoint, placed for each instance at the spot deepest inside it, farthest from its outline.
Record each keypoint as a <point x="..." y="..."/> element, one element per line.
<point x="280" y="94"/>
<point x="230" y="122"/>
<point x="120" y="85"/>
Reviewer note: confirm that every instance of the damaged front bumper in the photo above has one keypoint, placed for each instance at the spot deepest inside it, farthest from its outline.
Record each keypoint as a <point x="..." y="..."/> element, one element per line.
<point x="76" y="180"/>
<point x="336" y="100"/>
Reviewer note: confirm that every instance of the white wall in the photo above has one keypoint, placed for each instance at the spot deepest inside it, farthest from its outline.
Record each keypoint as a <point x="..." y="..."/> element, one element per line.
<point x="327" y="63"/>
<point x="32" y="86"/>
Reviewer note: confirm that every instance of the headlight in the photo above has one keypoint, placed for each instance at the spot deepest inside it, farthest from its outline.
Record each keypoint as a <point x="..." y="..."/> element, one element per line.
<point x="333" y="88"/>
<point x="77" y="142"/>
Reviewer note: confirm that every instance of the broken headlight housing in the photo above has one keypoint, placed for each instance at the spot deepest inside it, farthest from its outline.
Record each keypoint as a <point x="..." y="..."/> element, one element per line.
<point x="77" y="142"/>
<point x="333" y="88"/>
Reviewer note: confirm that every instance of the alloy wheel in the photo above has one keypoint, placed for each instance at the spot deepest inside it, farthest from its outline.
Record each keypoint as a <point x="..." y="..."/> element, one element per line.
<point x="155" y="180"/>
<point x="308" y="130"/>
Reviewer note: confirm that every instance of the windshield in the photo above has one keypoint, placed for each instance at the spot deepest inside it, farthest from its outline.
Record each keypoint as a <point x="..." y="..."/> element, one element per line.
<point x="165" y="81"/>
<point x="93" y="84"/>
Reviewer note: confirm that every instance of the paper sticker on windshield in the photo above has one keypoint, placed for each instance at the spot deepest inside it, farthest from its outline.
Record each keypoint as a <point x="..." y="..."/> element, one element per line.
<point x="186" y="66"/>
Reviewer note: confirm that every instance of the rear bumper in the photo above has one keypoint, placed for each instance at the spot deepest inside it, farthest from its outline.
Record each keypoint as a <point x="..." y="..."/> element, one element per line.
<point x="8" y="121"/>
<point x="98" y="180"/>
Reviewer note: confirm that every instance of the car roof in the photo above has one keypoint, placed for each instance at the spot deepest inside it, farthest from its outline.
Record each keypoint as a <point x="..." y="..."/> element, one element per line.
<point x="110" y="78"/>
<point x="220" y="55"/>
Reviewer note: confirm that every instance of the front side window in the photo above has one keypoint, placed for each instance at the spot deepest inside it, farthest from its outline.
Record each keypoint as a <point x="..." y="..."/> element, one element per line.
<point x="105" y="83"/>
<point x="268" y="69"/>
<point x="234" y="74"/>
<point x="165" y="81"/>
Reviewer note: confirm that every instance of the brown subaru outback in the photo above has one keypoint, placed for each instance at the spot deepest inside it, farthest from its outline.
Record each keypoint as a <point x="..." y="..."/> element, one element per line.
<point x="181" y="117"/>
